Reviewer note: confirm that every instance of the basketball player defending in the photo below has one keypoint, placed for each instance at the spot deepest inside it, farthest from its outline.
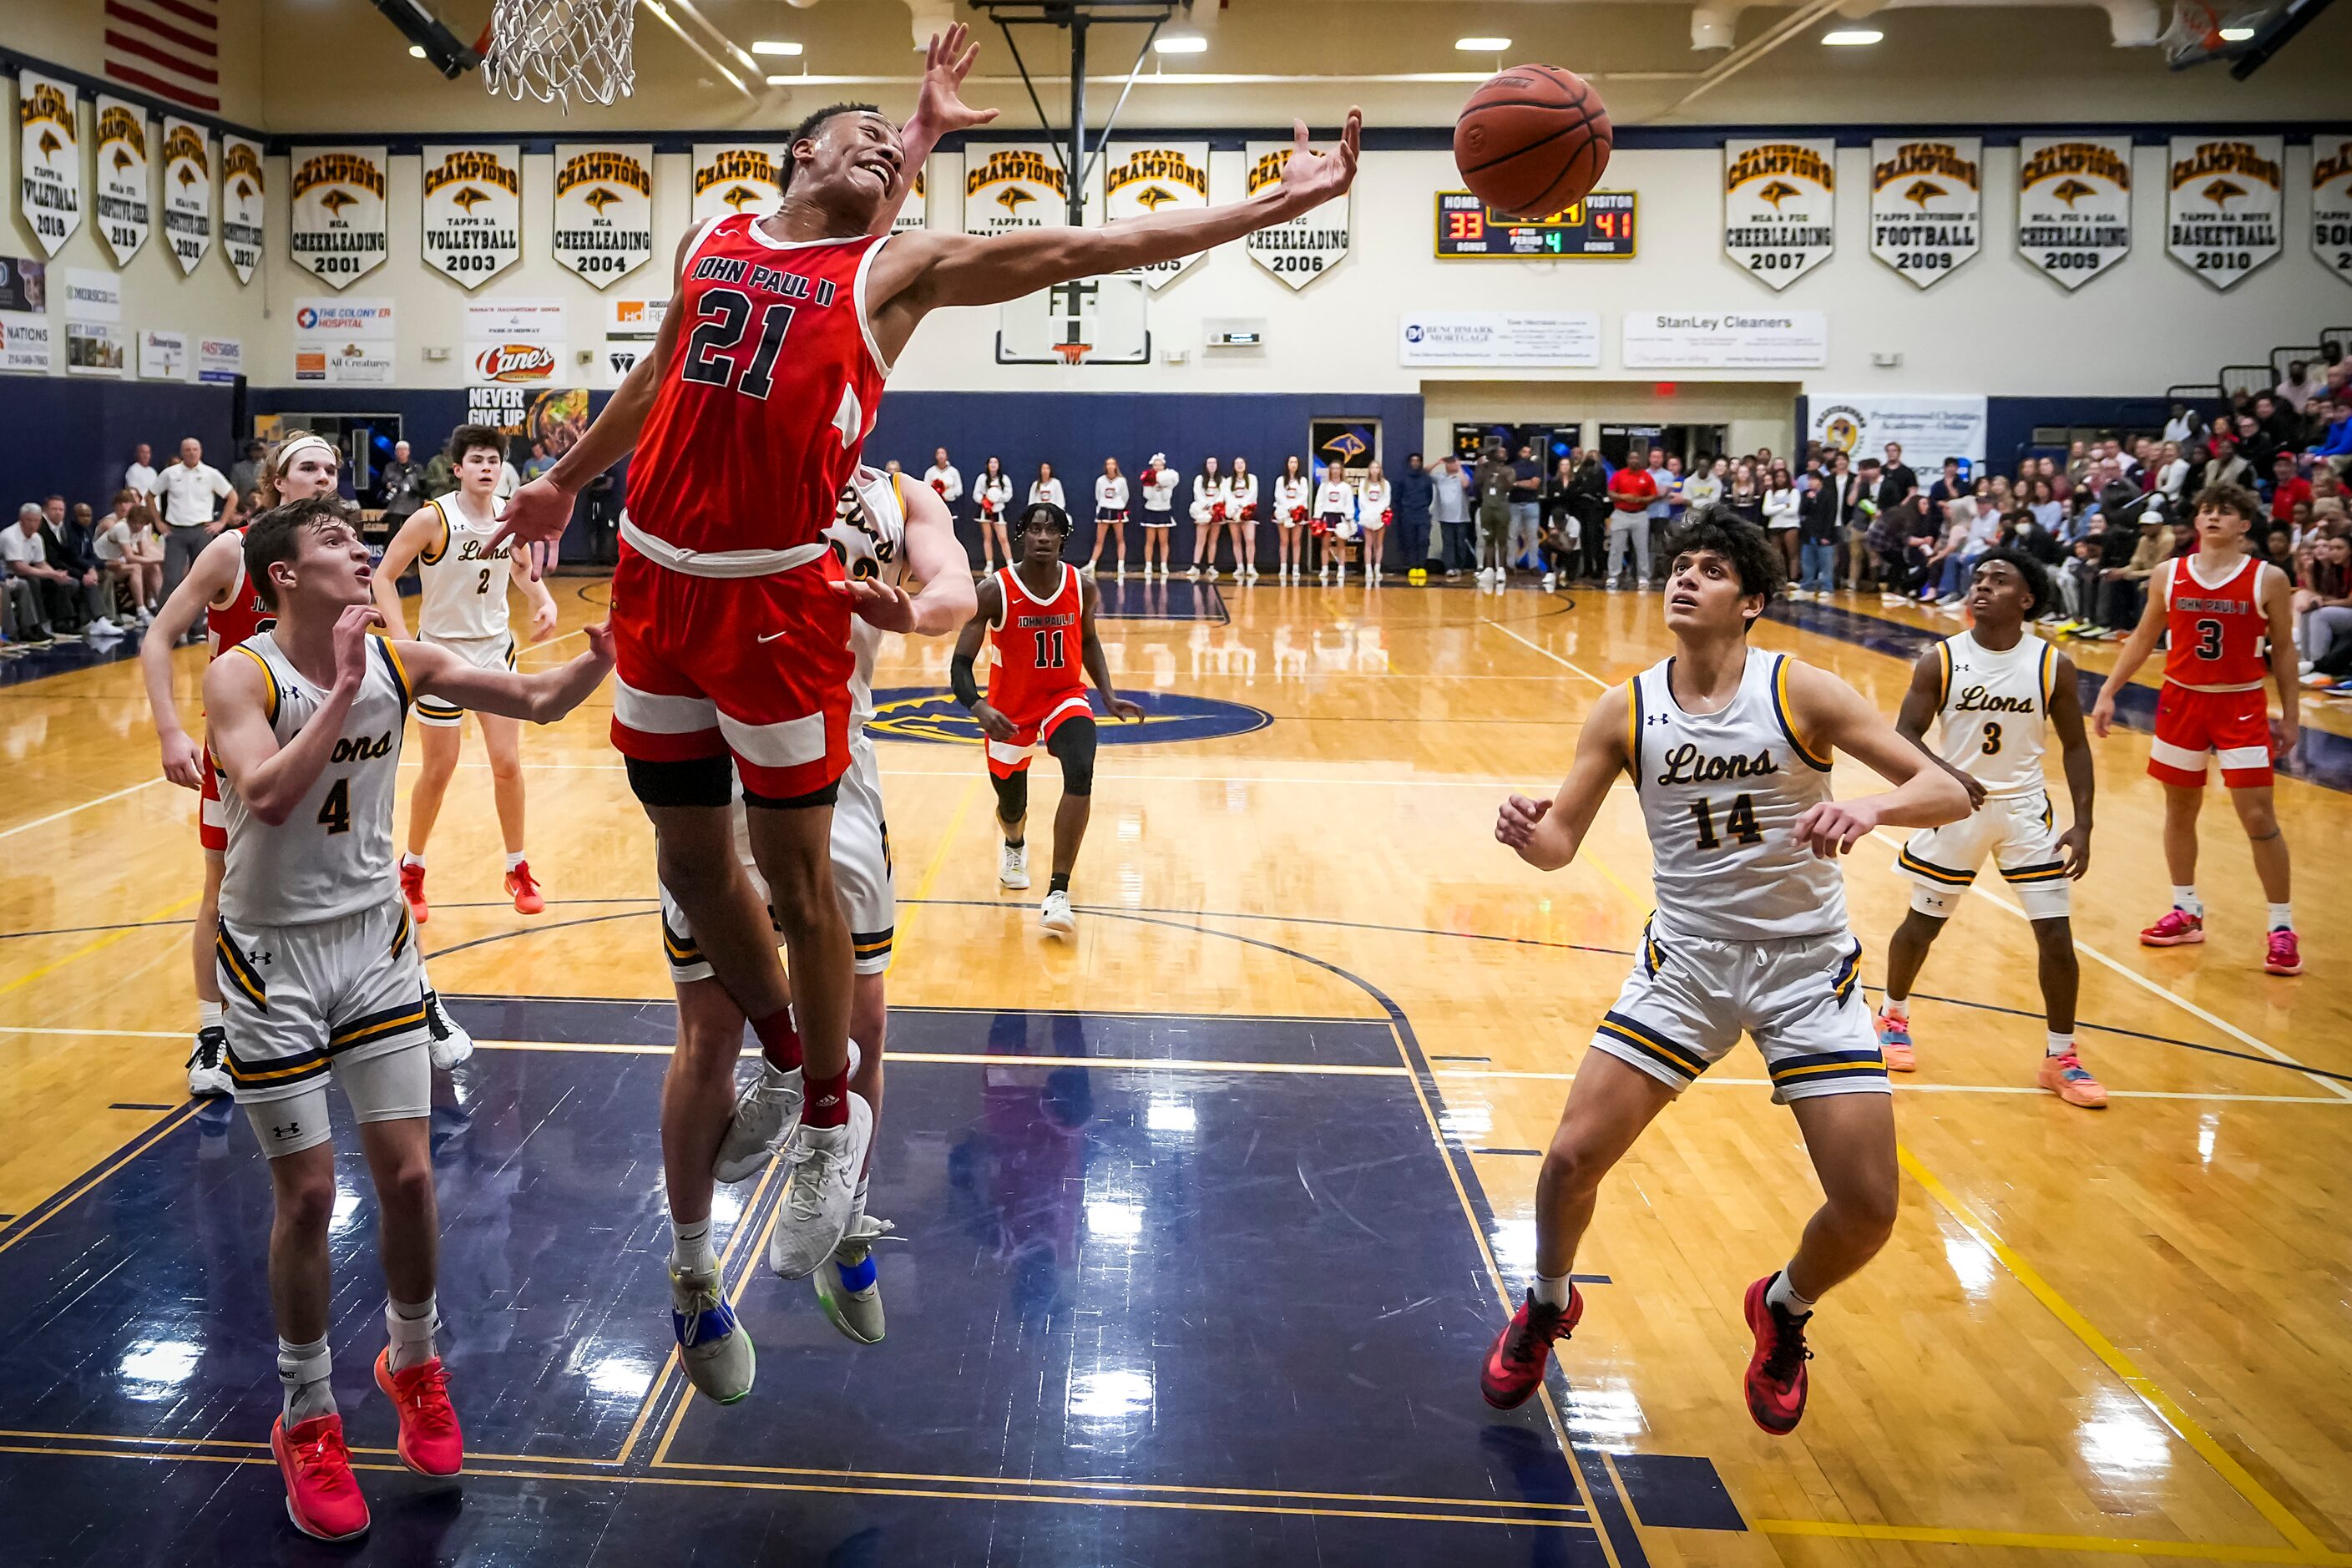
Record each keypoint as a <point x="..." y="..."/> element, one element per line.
<point x="1728" y="748"/>
<point x="1031" y="614"/>
<point x="318" y="961"/>
<point x="298" y="467"/>
<point x="2215" y="607"/>
<point x="463" y="608"/>
<point x="732" y="632"/>
<point x="1989" y="691"/>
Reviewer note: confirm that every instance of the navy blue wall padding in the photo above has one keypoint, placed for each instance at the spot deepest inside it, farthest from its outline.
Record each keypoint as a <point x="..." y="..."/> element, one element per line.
<point x="71" y="436"/>
<point x="2010" y="421"/>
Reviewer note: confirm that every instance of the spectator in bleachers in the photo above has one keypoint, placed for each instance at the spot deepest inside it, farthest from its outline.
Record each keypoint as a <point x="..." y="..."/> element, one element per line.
<point x="78" y="596"/>
<point x="2286" y="487"/>
<point x="1860" y="563"/>
<point x="2332" y="443"/>
<point x="2296" y="390"/>
<point x="29" y="575"/>
<point x="1823" y="525"/>
<point x="1743" y="494"/>
<point x="141" y="473"/>
<point x="1450" y="506"/>
<point x="1780" y="507"/>
<point x="1897" y="480"/>
<point x="2227" y="466"/>
<point x="1494" y="483"/>
<point x="2122" y="588"/>
<point x="191" y="493"/>
<point x="401" y="487"/>
<point x="245" y="473"/>
<point x="117" y="541"/>
<point x="2184" y="423"/>
<point x="2323" y="601"/>
<point x="146" y="552"/>
<point x="1705" y="487"/>
<point x="1527" y="504"/>
<point x="1414" y="495"/>
<point x="2260" y="435"/>
<point x="2171" y="470"/>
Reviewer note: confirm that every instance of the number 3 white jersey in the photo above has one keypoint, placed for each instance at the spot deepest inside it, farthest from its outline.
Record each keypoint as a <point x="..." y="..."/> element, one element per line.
<point x="1720" y="794"/>
<point x="1989" y="721"/>
<point x="869" y="536"/>
<point x="464" y="580"/>
<point x="332" y="855"/>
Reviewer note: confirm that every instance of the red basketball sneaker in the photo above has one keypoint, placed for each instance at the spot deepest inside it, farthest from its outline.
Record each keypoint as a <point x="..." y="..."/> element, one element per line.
<point x="430" y="1443"/>
<point x="412" y="887"/>
<point x="2179" y="928"/>
<point x="1776" y="1372"/>
<point x="322" y="1497"/>
<point x="2284" y="955"/>
<point x="523" y="888"/>
<point x="1515" y="1364"/>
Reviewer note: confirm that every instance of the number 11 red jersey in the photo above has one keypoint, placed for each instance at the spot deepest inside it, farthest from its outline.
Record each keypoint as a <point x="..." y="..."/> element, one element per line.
<point x="1040" y="662"/>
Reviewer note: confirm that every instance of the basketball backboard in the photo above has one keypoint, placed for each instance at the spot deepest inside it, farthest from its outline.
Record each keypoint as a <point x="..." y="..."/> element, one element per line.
<point x="1095" y="321"/>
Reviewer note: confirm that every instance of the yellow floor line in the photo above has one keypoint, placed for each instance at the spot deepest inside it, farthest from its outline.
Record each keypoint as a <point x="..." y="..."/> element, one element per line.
<point x="913" y="906"/>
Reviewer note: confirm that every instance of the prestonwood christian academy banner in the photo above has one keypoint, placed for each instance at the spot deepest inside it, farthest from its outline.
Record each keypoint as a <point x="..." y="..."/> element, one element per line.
<point x="1144" y="177"/>
<point x="49" y="158"/>
<point x="2331" y="203"/>
<point x="187" y="193"/>
<point x="1780" y="206"/>
<point x="335" y="230"/>
<point x="2221" y="204"/>
<point x="242" y="207"/>
<point x="604" y="210"/>
<point x="1299" y="251"/>
<point x="1930" y="428"/>
<point x="736" y="177"/>
<point x="1926" y="204"/>
<point x="473" y="212"/>
<point x="126" y="184"/>
<point x="1012" y="185"/>
<point x="2074" y="205"/>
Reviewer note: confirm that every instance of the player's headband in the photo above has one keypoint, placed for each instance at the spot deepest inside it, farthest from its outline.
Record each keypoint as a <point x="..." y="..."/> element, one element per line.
<point x="285" y="458"/>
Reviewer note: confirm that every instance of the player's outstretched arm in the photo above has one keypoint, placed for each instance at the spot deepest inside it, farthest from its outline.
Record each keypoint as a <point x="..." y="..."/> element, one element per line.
<point x="2075" y="750"/>
<point x="1833" y="717"/>
<point x="1921" y="703"/>
<point x="270" y="778"/>
<point x="417" y="531"/>
<point x="1091" y="651"/>
<point x="542" y="696"/>
<point x="1547" y="834"/>
<point x="935" y="558"/>
<point x="215" y="570"/>
<point x="939" y="108"/>
<point x="2134" y="653"/>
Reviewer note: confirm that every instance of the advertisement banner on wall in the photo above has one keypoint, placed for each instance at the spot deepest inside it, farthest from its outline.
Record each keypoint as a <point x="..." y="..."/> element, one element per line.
<point x="549" y="419"/>
<point x="2331" y="203"/>
<point x="1570" y="338"/>
<point x="187" y="193"/>
<point x="1308" y="246"/>
<point x="1779" y="208"/>
<point x="93" y="295"/>
<point x="1009" y="186"/>
<point x="604" y="210"/>
<point x="97" y="348"/>
<point x="2074" y="205"/>
<point x="24" y="284"/>
<point x="335" y="230"/>
<point x="514" y="341"/>
<point x="25" y="343"/>
<point x="2221" y="204"/>
<point x="635" y="320"/>
<point x="736" y="177"/>
<point x="1925" y="204"/>
<point x="343" y="342"/>
<point x="621" y="357"/>
<point x="473" y="212"/>
<point x="49" y="158"/>
<point x="1725" y="340"/>
<point x="220" y="359"/>
<point x="1930" y="428"/>
<point x="1141" y="178"/>
<point x="242" y="206"/>
<point x="162" y="355"/>
<point x="126" y="184"/>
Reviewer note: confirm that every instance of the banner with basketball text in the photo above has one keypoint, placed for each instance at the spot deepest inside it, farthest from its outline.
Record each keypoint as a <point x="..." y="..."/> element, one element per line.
<point x="2331" y="203"/>
<point x="1144" y="177"/>
<point x="49" y="158"/>
<point x="335" y="225"/>
<point x="473" y="211"/>
<point x="604" y="210"/>
<point x="2221" y="204"/>
<point x="1308" y="246"/>
<point x="2074" y="205"/>
<point x="1009" y="186"/>
<point x="1780" y="206"/>
<point x="737" y="177"/>
<point x="1926" y="204"/>
<point x="188" y="192"/>
<point x="125" y="203"/>
<point x="914" y="211"/>
<point x="244" y="223"/>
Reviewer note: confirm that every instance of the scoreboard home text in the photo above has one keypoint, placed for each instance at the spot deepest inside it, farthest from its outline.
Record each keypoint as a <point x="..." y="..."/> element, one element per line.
<point x="1600" y="226"/>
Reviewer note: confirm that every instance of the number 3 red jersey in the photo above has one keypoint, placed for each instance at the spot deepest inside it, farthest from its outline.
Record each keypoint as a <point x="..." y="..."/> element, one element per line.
<point x="770" y="393"/>
<point x="2215" y="632"/>
<point x="1040" y="661"/>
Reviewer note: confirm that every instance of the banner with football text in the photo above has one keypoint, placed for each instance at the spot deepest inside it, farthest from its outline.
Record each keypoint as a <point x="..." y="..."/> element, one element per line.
<point x="1299" y="251"/>
<point x="243" y="210"/>
<point x="1780" y="206"/>
<point x="335" y="228"/>
<point x="2074" y="205"/>
<point x="473" y="211"/>
<point x="914" y="211"/>
<point x="126" y="178"/>
<point x="2331" y="203"/>
<point x="2221" y="204"/>
<point x="1144" y="177"/>
<point x="736" y="177"/>
<point x="1009" y="186"/>
<point x="1926" y="204"/>
<point x="604" y="210"/>
<point x="49" y="158"/>
<point x="188" y="192"/>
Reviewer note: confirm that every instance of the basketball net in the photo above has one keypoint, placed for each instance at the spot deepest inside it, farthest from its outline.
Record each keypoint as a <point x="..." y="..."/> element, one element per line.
<point x="1074" y="353"/>
<point x="554" y="49"/>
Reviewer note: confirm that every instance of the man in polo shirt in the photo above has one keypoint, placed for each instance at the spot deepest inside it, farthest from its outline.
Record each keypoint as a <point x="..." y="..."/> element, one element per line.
<point x="186" y="493"/>
<point x="1632" y="491"/>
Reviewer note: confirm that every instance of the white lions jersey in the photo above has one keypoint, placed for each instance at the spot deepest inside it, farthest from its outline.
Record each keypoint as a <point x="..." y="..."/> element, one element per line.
<point x="1720" y="792"/>
<point x="869" y="536"/>
<point x="464" y="580"/>
<point x="333" y="855"/>
<point x="1989" y="721"/>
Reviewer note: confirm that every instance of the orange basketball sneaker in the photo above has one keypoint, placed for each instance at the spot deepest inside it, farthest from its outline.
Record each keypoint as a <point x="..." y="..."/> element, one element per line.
<point x="523" y="888"/>
<point x="2065" y="1077"/>
<point x="430" y="1443"/>
<point x="1515" y="1363"/>
<point x="322" y="1498"/>
<point x="2177" y="928"/>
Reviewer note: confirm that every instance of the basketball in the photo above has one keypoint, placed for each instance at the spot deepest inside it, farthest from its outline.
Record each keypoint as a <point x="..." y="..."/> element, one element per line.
<point x="1532" y="141"/>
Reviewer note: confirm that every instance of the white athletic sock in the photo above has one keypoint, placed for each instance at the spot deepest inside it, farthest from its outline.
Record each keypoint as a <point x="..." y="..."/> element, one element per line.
<point x="1785" y="1297"/>
<point x="1551" y="1289"/>
<point x="689" y="1246"/>
<point x="2058" y="1045"/>
<point x="1898" y="1006"/>
<point x="411" y="1326"/>
<point x="2185" y="901"/>
<point x="302" y="1372"/>
<point x="208" y="1015"/>
<point x="514" y="858"/>
<point x="2281" y="917"/>
<point x="415" y="860"/>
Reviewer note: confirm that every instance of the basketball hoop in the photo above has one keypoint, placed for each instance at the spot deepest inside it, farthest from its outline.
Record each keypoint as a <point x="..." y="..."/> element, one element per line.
<point x="1073" y="353"/>
<point x="554" y="49"/>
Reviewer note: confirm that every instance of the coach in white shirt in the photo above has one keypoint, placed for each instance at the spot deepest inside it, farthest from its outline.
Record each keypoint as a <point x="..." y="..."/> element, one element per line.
<point x="941" y="476"/>
<point x="141" y="474"/>
<point x="186" y="492"/>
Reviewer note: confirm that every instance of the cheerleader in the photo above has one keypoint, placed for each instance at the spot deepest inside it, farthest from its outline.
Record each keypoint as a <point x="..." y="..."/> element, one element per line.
<point x="1293" y="496"/>
<point x="1241" y="518"/>
<point x="1212" y="500"/>
<point x="994" y="492"/>
<point x="1159" y="486"/>
<point x="1335" y="523"/>
<point x="1372" y="517"/>
<point x="1111" y="514"/>
<point x="1047" y="490"/>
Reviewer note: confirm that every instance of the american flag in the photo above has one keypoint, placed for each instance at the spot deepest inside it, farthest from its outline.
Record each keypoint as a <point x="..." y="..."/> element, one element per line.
<point x="168" y="47"/>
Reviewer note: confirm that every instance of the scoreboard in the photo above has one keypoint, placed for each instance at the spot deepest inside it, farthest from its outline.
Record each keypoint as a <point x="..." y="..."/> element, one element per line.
<point x="1599" y="228"/>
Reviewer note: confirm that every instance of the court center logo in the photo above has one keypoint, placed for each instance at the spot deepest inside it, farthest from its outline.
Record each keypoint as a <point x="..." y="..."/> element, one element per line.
<point x="916" y="713"/>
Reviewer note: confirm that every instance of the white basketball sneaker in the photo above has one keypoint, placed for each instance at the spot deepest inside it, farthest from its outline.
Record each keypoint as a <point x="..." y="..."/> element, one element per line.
<point x="822" y="1193"/>
<point x="766" y="1113"/>
<point x="450" y="1045"/>
<point x="1055" y="914"/>
<point x="715" y="1351"/>
<point x="848" y="1287"/>
<point x="1012" y="865"/>
<point x="207" y="1064"/>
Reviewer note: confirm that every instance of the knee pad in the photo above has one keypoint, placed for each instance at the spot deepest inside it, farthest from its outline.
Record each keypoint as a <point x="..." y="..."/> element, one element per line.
<point x="1012" y="796"/>
<point x="1074" y="746"/>
<point x="824" y="794"/>
<point x="1935" y="903"/>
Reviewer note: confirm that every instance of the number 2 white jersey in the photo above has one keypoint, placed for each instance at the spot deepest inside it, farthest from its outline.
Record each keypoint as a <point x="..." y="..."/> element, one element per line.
<point x="869" y="536"/>
<point x="1989" y="721"/>
<point x="465" y="580"/>
<point x="1720" y="792"/>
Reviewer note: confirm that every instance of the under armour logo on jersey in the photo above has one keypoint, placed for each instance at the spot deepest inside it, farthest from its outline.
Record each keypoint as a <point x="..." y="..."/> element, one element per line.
<point x="290" y="1129"/>
<point x="1659" y="719"/>
<point x="262" y="957"/>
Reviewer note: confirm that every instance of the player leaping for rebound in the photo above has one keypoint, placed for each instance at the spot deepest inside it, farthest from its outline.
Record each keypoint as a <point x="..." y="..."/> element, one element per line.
<point x="730" y="627"/>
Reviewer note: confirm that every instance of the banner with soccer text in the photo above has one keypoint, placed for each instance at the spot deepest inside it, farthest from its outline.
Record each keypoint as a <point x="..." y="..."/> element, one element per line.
<point x="473" y="211"/>
<point x="1927" y="203"/>
<point x="2221" y="202"/>
<point x="1779" y="208"/>
<point x="2331" y="203"/>
<point x="335" y="225"/>
<point x="244" y="225"/>
<point x="737" y="177"/>
<point x="1308" y="246"/>
<point x="49" y="158"/>
<point x="1144" y="177"/>
<point x="604" y="210"/>
<point x="187" y="193"/>
<point x="1009" y="186"/>
<point x="914" y="211"/>
<point x="2074" y="205"/>
<point x="126" y="178"/>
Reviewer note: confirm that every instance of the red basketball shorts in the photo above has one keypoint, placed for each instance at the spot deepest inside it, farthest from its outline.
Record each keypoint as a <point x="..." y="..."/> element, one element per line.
<point x="1006" y="758"/>
<point x="212" y="822"/>
<point x="2190" y="726"/>
<point x="755" y="667"/>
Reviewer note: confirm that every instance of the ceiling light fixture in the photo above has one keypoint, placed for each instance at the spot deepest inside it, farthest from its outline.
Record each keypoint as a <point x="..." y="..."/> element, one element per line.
<point x="1852" y="37"/>
<point x="2236" y="34"/>
<point x="1482" y="46"/>
<point x="416" y="51"/>
<point x="775" y="47"/>
<point x="1181" y="43"/>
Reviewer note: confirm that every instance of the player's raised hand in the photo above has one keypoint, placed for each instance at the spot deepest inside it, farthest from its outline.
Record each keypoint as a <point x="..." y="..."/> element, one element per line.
<point x="879" y="603"/>
<point x="351" y="628"/>
<point x="1311" y="178"/>
<point x="538" y="512"/>
<point x="947" y="60"/>
<point x="992" y="724"/>
<point x="1516" y="823"/>
<point x="1834" y="826"/>
<point x="1122" y="709"/>
<point x="2102" y="715"/>
<point x="184" y="761"/>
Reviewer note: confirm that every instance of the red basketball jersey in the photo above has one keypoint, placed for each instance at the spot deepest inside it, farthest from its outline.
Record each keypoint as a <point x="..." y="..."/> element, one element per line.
<point x="2215" y="634"/>
<point x="1039" y="660"/>
<point x="771" y="390"/>
<point x="244" y="614"/>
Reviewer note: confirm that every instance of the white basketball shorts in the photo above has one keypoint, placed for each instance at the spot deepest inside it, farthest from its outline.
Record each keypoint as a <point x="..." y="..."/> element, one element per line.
<point x="2021" y="834"/>
<point x="482" y="653"/>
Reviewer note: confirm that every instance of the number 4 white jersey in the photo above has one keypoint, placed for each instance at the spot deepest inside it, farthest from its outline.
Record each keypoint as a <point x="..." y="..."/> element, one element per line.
<point x="1990" y="718"/>
<point x="465" y="580"/>
<point x="869" y="536"/>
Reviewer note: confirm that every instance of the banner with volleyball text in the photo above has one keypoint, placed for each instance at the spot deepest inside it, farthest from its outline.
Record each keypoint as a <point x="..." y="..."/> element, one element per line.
<point x="1144" y="177"/>
<point x="49" y="158"/>
<point x="2331" y="203"/>
<point x="1308" y="246"/>
<point x="1926" y="201"/>
<point x="335" y="225"/>
<point x="737" y="177"/>
<point x="2221" y="204"/>
<point x="472" y="228"/>
<point x="1780" y="206"/>
<point x="2074" y="205"/>
<point x="244" y="223"/>
<point x="187" y="193"/>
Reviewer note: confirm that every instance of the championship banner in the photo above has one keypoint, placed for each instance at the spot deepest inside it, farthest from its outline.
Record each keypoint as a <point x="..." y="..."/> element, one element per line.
<point x="473" y="212"/>
<point x="1779" y="208"/>
<point x="187" y="193"/>
<point x="1299" y="251"/>
<point x="1008" y="186"/>
<point x="2221" y="204"/>
<point x="1925" y="204"/>
<point x="336" y="229"/>
<point x="1144" y="177"/>
<point x="126" y="187"/>
<point x="914" y="211"/>
<point x="731" y="177"/>
<point x="2331" y="203"/>
<point x="2074" y="205"/>
<point x="604" y="210"/>
<point x="241" y="205"/>
<point x="49" y="158"/>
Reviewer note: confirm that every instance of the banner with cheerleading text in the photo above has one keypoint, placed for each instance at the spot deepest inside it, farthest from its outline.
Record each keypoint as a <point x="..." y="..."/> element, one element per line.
<point x="1780" y="206"/>
<point x="2074" y="205"/>
<point x="1926" y="204"/>
<point x="604" y="210"/>
<point x="1009" y="186"/>
<point x="49" y="158"/>
<point x="737" y="177"/>
<point x="126" y="178"/>
<point x="2221" y="204"/>
<point x="1144" y="177"/>
<point x="473" y="211"/>
<point x="335" y="227"/>
<point x="187" y="193"/>
<point x="1308" y="246"/>
<point x="2331" y="203"/>
<point x="243" y="210"/>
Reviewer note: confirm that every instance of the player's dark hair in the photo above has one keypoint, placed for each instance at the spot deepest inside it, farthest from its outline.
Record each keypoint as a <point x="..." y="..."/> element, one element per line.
<point x="275" y="534"/>
<point x="808" y="128"/>
<point x="2036" y="575"/>
<point x="466" y="438"/>
<point x="1054" y="514"/>
<point x="1751" y="551"/>
<point x="2230" y="498"/>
